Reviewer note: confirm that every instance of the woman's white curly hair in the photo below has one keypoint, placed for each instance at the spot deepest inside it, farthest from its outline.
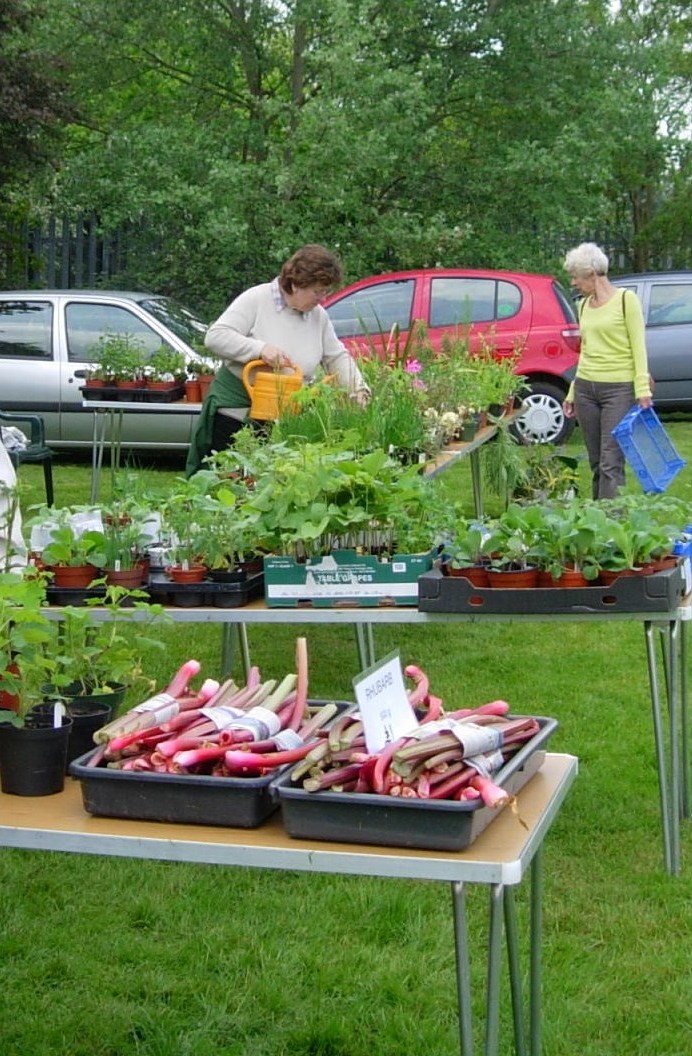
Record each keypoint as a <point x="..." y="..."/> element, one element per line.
<point x="585" y="259"/>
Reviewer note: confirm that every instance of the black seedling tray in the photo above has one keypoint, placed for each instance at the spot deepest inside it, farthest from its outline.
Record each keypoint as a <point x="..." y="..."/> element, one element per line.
<point x="658" y="592"/>
<point x="390" y="821"/>
<point x="143" y="395"/>
<point x="237" y="802"/>
<point x="192" y="595"/>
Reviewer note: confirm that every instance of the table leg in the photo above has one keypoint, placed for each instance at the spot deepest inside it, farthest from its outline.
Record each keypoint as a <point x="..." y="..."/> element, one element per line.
<point x="461" y="942"/>
<point x="684" y="724"/>
<point x="365" y="644"/>
<point x="228" y="630"/>
<point x="511" y="932"/>
<point x="492" y="1000"/>
<point x="669" y="848"/>
<point x="475" y="464"/>
<point x="536" y="982"/>
<point x="116" y="443"/>
<point x="98" y="440"/>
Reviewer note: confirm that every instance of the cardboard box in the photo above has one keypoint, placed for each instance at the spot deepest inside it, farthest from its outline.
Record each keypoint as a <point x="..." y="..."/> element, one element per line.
<point x="344" y="578"/>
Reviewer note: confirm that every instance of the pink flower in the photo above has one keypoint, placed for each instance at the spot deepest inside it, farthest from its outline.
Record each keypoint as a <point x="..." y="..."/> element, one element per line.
<point x="413" y="366"/>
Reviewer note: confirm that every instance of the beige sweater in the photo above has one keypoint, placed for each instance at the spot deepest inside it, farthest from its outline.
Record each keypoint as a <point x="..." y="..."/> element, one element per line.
<point x="257" y="318"/>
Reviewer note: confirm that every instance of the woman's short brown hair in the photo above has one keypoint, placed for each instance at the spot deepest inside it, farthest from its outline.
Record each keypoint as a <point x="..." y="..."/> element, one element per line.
<point x="311" y="265"/>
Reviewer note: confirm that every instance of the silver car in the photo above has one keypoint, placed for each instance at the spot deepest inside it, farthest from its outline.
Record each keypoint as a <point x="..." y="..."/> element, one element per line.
<point x="45" y="337"/>
<point x="666" y="299"/>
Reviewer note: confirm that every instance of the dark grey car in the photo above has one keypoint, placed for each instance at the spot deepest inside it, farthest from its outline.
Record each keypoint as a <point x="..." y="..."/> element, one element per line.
<point x="666" y="299"/>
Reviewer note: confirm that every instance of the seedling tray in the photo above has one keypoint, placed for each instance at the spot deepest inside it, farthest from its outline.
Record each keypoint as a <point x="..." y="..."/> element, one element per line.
<point x="192" y="595"/>
<point x="389" y="821"/>
<point x="237" y="802"/>
<point x="73" y="595"/>
<point x="344" y="578"/>
<point x="658" y="592"/>
<point x="143" y="395"/>
<point x="648" y="449"/>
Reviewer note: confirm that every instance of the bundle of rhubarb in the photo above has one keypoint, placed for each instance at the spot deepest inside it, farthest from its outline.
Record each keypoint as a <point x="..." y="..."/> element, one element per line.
<point x="221" y="730"/>
<point x="447" y="756"/>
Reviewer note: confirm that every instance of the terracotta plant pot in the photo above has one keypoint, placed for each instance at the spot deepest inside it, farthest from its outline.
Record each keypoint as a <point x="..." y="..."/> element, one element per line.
<point x="571" y="578"/>
<point x="193" y="392"/>
<point x="205" y="381"/>
<point x="126" y="577"/>
<point x="606" y="576"/>
<point x="73" y="577"/>
<point x="161" y="386"/>
<point x="513" y="579"/>
<point x="9" y="701"/>
<point x="193" y="574"/>
<point x="476" y="574"/>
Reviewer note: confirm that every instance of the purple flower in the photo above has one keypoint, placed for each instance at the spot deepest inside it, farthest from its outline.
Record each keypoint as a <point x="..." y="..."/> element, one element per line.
<point x="413" y="366"/>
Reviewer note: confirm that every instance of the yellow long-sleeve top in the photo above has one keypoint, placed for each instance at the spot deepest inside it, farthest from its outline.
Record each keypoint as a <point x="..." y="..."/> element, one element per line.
<point x="613" y="346"/>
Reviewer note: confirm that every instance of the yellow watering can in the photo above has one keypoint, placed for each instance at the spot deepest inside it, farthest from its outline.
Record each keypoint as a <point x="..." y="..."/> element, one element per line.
<point x="269" y="390"/>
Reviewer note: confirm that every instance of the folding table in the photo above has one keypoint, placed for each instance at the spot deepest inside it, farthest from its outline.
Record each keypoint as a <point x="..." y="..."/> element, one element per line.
<point x="498" y="859"/>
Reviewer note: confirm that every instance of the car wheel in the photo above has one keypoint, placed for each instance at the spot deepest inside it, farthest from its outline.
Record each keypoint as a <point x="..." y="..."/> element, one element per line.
<point x="543" y="421"/>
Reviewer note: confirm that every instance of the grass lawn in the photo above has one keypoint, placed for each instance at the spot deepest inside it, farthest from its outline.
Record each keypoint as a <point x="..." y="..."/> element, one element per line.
<point x="105" y="957"/>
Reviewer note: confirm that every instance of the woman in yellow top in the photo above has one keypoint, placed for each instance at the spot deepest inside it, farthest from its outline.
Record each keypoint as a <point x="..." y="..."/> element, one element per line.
<point x="612" y="373"/>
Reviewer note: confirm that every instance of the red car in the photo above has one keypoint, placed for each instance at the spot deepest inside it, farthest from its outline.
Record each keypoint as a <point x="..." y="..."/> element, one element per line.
<point x="509" y="311"/>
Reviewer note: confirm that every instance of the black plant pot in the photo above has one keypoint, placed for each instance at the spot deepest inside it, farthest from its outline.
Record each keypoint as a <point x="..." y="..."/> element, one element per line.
<point x="33" y="757"/>
<point x="88" y="711"/>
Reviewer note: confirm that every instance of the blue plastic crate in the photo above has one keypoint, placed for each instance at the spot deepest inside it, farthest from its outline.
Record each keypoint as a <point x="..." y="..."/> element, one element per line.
<point x="648" y="449"/>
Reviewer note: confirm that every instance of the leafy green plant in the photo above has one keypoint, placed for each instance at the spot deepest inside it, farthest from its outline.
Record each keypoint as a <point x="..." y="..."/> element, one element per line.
<point x="26" y="635"/>
<point x="570" y="537"/>
<point x="118" y="357"/>
<point x="166" y="364"/>
<point x="633" y="538"/>
<point x="504" y="464"/>
<point x="93" y="655"/>
<point x="67" y="543"/>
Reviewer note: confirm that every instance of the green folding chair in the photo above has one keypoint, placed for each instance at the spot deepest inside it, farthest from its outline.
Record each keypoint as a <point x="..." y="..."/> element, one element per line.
<point x="37" y="449"/>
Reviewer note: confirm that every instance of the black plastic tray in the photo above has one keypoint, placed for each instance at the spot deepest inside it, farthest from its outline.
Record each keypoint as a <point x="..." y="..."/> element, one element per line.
<point x="388" y="821"/>
<point x="237" y="802"/>
<point x="191" y="595"/>
<point x="143" y="395"/>
<point x="658" y="592"/>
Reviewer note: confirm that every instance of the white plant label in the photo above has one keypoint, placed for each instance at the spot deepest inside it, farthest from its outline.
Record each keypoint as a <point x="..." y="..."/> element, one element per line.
<point x="383" y="703"/>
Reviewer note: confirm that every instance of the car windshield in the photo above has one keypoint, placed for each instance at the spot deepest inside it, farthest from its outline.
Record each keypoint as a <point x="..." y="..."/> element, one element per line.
<point x="177" y="318"/>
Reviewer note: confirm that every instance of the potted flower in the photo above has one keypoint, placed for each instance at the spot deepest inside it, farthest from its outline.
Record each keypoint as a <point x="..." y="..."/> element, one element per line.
<point x="568" y="545"/>
<point x="165" y="370"/>
<point x="185" y="516"/>
<point x="633" y="543"/>
<point x="512" y="544"/>
<point x="124" y="546"/>
<point x="73" y="550"/>
<point x="466" y="557"/>
<point x="121" y="358"/>
<point x="203" y="369"/>
<point x="96" y="661"/>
